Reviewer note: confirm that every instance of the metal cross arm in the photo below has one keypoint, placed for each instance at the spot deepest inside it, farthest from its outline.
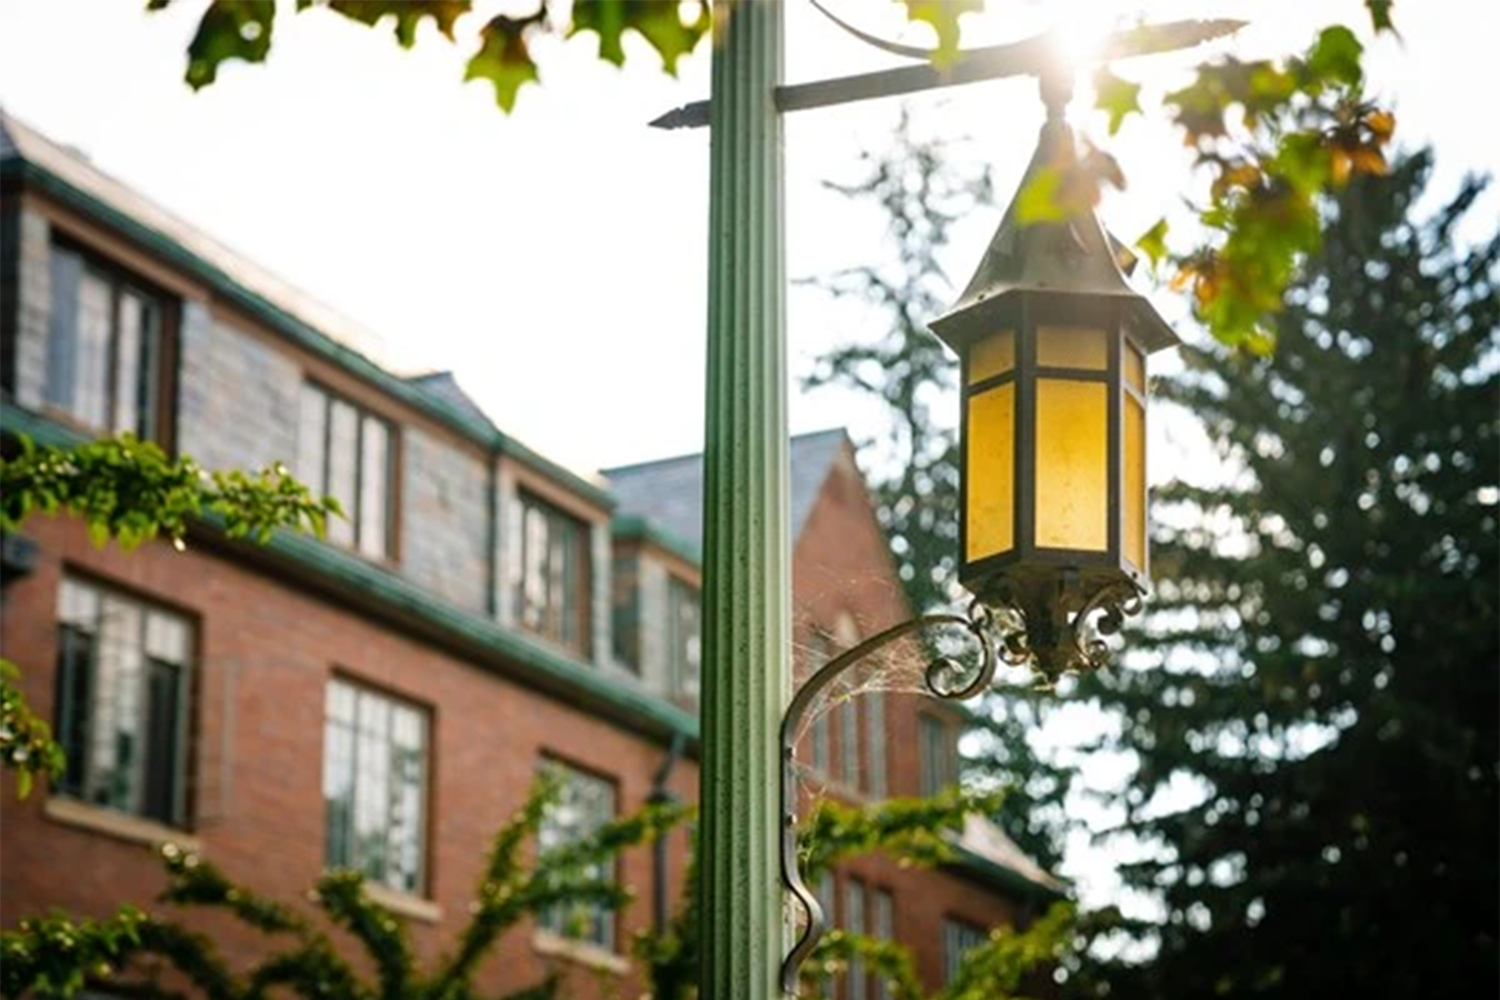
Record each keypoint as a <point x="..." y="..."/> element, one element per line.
<point x="1034" y="56"/>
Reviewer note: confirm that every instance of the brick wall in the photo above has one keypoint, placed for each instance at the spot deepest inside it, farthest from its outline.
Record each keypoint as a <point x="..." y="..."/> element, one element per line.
<point x="267" y="648"/>
<point x="266" y="652"/>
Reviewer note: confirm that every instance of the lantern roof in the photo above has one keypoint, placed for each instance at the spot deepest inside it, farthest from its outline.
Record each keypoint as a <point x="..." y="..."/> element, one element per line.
<point x="1074" y="256"/>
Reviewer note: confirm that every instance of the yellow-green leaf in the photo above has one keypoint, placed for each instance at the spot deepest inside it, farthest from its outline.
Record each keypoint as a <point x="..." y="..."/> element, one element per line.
<point x="408" y="14"/>
<point x="1153" y="242"/>
<point x="943" y="16"/>
<point x="1040" y="200"/>
<point x="1119" y="98"/>
<point x="504" y="59"/>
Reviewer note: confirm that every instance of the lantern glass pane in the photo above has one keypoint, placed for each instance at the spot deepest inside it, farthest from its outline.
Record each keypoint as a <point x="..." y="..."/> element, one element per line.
<point x="991" y="356"/>
<point x="1135" y="482"/>
<point x="1072" y="465"/>
<point x="1071" y="347"/>
<point x="990" y="479"/>
<point x="1135" y="368"/>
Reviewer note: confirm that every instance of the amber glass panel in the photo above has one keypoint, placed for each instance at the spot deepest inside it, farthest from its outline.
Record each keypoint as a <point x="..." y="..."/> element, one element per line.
<point x="1135" y="483"/>
<point x="994" y="355"/>
<point x="990" y="528"/>
<point x="1072" y="465"/>
<point x="1135" y="368"/>
<point x="1072" y="347"/>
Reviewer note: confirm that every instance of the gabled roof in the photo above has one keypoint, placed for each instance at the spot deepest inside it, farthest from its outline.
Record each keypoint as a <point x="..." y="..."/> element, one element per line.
<point x="444" y="385"/>
<point x="668" y="493"/>
<point x="67" y="177"/>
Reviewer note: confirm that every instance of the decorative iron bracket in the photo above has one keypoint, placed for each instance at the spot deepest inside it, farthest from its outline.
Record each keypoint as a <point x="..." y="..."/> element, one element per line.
<point x="1081" y="632"/>
<point x="944" y="678"/>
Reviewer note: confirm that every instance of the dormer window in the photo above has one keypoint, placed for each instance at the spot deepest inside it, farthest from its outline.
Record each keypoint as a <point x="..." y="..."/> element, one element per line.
<point x="104" y="347"/>
<point x="345" y="452"/>
<point x="684" y="638"/>
<point x="551" y="592"/>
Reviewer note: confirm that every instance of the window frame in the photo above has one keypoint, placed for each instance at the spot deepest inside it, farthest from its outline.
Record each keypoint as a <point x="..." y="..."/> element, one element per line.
<point x="944" y="769"/>
<point x="66" y="724"/>
<point x="606" y="919"/>
<point x="680" y="593"/>
<point x="960" y="937"/>
<point x="320" y="484"/>
<point x="856" y="921"/>
<point x="580" y="592"/>
<point x="423" y="880"/>
<point x="159" y="362"/>
<point x="882" y="928"/>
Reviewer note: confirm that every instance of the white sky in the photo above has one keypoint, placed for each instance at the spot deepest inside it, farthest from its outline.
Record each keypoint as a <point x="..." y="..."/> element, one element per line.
<point x="555" y="258"/>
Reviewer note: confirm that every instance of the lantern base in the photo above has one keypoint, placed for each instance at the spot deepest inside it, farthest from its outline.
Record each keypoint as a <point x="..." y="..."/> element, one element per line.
<point x="1056" y="622"/>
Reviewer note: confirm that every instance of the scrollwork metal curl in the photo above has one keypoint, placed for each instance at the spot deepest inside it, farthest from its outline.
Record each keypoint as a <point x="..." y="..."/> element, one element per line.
<point x="938" y="678"/>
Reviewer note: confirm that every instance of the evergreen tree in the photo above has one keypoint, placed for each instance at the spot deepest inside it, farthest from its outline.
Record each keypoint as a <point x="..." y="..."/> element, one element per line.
<point x="1320" y="664"/>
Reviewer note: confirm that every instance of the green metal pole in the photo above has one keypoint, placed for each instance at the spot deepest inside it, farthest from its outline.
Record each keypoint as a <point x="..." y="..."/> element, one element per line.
<point x="746" y="555"/>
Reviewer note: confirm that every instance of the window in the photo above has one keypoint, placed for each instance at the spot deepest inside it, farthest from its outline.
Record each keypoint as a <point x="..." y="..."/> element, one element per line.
<point x="585" y="803"/>
<point x="684" y="638"/>
<point x="825" y="894"/>
<point x="853" y="771"/>
<point x="345" y="452"/>
<point x="848" y="714"/>
<point x="959" y="938"/>
<point x="104" y="348"/>
<point x="854" y="923"/>
<point x="122" y="702"/>
<point x="375" y="785"/>
<point x="875" y="743"/>
<point x="884" y="929"/>
<point x="625" y="605"/>
<point x="550" y="596"/>
<point x="937" y="755"/>
<point x="822" y="734"/>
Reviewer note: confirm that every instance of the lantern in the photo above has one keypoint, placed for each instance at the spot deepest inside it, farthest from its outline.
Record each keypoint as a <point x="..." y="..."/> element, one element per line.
<point x="1053" y="344"/>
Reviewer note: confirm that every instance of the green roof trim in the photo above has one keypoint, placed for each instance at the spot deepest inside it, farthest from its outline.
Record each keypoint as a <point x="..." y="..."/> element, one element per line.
<point x="531" y="663"/>
<point x="300" y="332"/>
<point x="633" y="527"/>
<point x="1003" y="877"/>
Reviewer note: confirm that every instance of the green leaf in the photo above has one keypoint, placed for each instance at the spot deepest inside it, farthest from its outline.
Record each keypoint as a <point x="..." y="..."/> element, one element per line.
<point x="943" y="16"/>
<point x="408" y="14"/>
<point x="229" y="29"/>
<point x="1380" y="14"/>
<point x="504" y="59"/>
<point x="1336" y="56"/>
<point x="1040" y="200"/>
<point x="1120" y="98"/>
<point x="606" y="18"/>
<point x="662" y="26"/>
<point x="1153" y="242"/>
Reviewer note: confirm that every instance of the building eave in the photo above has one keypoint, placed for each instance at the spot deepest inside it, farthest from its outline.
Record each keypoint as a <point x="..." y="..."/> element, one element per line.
<point x="1005" y="878"/>
<point x="633" y="527"/>
<point x="390" y="599"/>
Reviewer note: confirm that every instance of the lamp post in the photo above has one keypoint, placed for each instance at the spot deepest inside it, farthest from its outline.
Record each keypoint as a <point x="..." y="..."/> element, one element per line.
<point x="1052" y="343"/>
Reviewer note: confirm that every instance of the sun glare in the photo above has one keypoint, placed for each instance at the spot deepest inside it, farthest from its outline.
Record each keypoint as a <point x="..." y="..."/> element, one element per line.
<point x="1080" y="30"/>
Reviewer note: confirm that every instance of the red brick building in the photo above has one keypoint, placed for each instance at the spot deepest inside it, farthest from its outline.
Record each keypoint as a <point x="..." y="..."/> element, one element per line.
<point x="384" y="698"/>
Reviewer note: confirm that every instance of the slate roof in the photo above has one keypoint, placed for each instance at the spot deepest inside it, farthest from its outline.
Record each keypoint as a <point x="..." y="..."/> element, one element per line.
<point x="669" y="492"/>
<point x="445" y="385"/>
